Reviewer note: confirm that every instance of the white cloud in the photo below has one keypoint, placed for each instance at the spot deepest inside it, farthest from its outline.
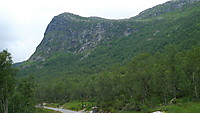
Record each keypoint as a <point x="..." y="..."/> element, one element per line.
<point x="23" y="22"/>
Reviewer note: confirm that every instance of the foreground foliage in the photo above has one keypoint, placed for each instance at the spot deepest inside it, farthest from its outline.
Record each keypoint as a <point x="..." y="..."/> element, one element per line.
<point x="6" y="81"/>
<point x="15" y="97"/>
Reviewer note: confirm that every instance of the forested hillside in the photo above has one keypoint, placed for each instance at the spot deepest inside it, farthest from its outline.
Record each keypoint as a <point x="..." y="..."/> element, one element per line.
<point x="120" y="65"/>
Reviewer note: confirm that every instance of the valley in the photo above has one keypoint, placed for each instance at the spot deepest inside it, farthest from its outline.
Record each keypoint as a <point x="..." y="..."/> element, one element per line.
<point x="150" y="62"/>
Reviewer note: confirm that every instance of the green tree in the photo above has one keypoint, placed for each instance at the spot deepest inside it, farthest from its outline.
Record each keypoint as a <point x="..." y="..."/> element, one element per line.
<point x="192" y="69"/>
<point x="172" y="68"/>
<point x="6" y="80"/>
<point x="139" y="80"/>
<point x="26" y="89"/>
<point x="161" y="80"/>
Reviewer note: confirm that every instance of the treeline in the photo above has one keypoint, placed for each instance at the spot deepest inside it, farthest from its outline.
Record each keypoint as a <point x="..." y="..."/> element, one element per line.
<point x="15" y="96"/>
<point x="147" y="81"/>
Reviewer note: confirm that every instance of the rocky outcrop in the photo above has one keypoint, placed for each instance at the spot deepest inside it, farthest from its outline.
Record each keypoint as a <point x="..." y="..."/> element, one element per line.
<point x="72" y="33"/>
<point x="75" y="34"/>
<point x="164" y="8"/>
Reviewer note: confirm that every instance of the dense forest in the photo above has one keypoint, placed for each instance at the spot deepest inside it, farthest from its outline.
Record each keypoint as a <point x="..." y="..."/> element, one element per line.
<point x="167" y="76"/>
<point x="147" y="81"/>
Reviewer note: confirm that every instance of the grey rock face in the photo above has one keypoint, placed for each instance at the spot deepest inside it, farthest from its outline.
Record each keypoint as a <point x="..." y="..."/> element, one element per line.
<point x="72" y="33"/>
<point x="75" y="34"/>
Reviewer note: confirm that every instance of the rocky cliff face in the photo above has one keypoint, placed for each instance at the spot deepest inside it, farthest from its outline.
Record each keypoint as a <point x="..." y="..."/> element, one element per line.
<point x="75" y="34"/>
<point x="72" y="33"/>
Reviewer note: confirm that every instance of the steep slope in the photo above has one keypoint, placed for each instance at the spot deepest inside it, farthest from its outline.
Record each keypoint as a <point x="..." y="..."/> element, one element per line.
<point x="72" y="33"/>
<point x="75" y="45"/>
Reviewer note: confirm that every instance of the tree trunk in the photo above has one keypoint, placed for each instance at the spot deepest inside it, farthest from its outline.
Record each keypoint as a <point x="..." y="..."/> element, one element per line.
<point x="175" y="91"/>
<point x="6" y="99"/>
<point x="165" y="99"/>
<point x="195" y="86"/>
<point x="13" y="106"/>
<point x="174" y="80"/>
<point x="6" y="106"/>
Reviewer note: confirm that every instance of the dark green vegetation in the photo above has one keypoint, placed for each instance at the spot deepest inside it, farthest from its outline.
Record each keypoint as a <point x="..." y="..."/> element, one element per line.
<point x="120" y="65"/>
<point x="167" y="76"/>
<point x="15" y="96"/>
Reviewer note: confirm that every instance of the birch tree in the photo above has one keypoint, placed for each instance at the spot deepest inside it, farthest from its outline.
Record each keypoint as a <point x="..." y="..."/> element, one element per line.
<point x="6" y="80"/>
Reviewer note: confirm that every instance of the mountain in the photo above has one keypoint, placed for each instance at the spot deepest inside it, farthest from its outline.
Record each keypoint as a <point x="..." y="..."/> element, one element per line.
<point x="165" y="8"/>
<point x="142" y="62"/>
<point x="72" y="33"/>
<point x="75" y="45"/>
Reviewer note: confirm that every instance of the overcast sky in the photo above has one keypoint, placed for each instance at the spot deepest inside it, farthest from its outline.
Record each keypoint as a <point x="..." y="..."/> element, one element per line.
<point x="23" y="22"/>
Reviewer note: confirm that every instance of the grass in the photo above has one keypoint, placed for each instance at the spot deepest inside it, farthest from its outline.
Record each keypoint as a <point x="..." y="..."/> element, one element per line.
<point x="74" y="105"/>
<point x="54" y="105"/>
<point x="186" y="107"/>
<point x="129" y="112"/>
<point x="39" y="110"/>
<point x="189" y="107"/>
<point x="77" y="105"/>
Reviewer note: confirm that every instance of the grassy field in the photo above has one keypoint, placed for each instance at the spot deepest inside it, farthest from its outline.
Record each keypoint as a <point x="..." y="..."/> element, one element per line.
<point x="39" y="110"/>
<point x="74" y="105"/>
<point x="190" y="107"/>
<point x="130" y="112"/>
<point x="54" y="105"/>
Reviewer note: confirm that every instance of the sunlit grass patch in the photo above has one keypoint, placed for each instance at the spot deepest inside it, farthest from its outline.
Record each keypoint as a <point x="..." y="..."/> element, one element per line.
<point x="189" y="107"/>
<point x="40" y="110"/>
<point x="78" y="105"/>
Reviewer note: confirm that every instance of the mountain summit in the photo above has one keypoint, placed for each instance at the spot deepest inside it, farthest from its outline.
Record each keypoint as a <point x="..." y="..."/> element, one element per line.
<point x="72" y="33"/>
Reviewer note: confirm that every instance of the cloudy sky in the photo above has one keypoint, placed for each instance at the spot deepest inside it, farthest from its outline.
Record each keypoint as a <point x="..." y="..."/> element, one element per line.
<point x="23" y="22"/>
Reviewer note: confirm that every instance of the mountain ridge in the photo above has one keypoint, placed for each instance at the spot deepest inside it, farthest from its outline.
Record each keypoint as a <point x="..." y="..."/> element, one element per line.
<point x="68" y="32"/>
<point x="99" y="44"/>
<point x="119" y="65"/>
<point x="160" y="9"/>
<point x="75" y="34"/>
